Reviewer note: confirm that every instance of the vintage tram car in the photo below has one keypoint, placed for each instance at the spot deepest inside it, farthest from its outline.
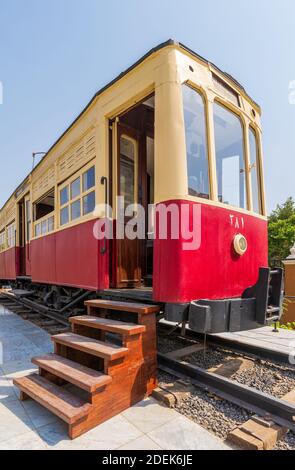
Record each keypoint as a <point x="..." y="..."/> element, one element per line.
<point x="171" y="130"/>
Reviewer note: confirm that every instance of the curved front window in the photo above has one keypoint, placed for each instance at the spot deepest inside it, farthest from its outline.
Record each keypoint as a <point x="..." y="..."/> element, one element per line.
<point x="196" y="143"/>
<point x="230" y="161"/>
<point x="254" y="169"/>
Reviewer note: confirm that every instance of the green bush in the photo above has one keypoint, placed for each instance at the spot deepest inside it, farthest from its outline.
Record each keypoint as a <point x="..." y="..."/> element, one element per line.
<point x="281" y="232"/>
<point x="286" y="326"/>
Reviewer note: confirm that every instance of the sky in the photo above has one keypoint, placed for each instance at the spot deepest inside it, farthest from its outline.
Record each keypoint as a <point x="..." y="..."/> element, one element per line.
<point x="55" y="54"/>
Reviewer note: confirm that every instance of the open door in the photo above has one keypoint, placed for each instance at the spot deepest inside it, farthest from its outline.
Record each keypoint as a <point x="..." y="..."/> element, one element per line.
<point x="28" y="227"/>
<point x="22" y="237"/>
<point x="132" y="266"/>
<point x="128" y="251"/>
<point x="24" y="230"/>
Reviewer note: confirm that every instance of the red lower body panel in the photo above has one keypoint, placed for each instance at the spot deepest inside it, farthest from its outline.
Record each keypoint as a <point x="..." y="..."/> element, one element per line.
<point x="70" y="257"/>
<point x="212" y="270"/>
<point x="9" y="264"/>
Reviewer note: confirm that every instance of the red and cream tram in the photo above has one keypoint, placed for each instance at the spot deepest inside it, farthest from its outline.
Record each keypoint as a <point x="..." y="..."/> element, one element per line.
<point x="173" y="132"/>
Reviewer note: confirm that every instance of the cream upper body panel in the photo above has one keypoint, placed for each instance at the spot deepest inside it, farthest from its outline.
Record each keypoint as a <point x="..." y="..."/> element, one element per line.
<point x="87" y="139"/>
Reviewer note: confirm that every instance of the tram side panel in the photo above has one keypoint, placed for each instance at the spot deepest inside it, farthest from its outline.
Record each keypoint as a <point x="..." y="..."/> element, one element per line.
<point x="70" y="257"/>
<point x="9" y="264"/>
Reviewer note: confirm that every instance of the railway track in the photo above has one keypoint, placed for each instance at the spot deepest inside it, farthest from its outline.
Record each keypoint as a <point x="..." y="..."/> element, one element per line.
<point x="234" y="345"/>
<point x="30" y="310"/>
<point x="247" y="397"/>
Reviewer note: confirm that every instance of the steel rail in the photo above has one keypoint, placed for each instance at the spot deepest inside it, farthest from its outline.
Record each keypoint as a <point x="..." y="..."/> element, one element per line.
<point x="36" y="308"/>
<point x="280" y="411"/>
<point x="255" y="351"/>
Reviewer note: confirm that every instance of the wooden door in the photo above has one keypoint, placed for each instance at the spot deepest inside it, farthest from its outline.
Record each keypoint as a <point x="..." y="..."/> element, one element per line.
<point x="128" y="169"/>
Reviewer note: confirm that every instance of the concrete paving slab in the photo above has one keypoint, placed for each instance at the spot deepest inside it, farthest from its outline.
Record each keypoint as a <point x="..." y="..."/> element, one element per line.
<point x="27" y="425"/>
<point x="108" y="436"/>
<point x="39" y="415"/>
<point x="27" y="441"/>
<point x="141" y="443"/>
<point x="183" y="434"/>
<point x="282" y="341"/>
<point x="148" y="415"/>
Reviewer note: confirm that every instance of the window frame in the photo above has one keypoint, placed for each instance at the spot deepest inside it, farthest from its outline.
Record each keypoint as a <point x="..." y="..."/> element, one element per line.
<point x="210" y="97"/>
<point x="202" y="92"/>
<point x="40" y="222"/>
<point x="236" y="112"/>
<point x="127" y="137"/>
<point x="211" y="157"/>
<point x="67" y="184"/>
<point x="3" y="236"/>
<point x="11" y="238"/>
<point x="252" y="128"/>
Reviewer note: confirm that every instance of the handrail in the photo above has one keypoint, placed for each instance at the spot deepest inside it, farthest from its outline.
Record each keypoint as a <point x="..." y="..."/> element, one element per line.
<point x="104" y="181"/>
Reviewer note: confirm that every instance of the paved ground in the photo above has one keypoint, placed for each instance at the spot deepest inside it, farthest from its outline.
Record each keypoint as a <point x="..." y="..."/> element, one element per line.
<point x="283" y="341"/>
<point x="26" y="425"/>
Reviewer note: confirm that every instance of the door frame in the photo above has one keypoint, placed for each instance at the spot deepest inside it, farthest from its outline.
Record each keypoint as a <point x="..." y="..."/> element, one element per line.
<point x="133" y="245"/>
<point x="113" y="162"/>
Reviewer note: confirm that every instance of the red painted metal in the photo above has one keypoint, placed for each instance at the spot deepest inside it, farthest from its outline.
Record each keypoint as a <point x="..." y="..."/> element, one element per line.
<point x="9" y="264"/>
<point x="213" y="271"/>
<point x="70" y="257"/>
<point x="28" y="260"/>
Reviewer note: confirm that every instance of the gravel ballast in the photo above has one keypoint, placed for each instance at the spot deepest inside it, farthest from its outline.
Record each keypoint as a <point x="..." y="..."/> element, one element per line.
<point x="218" y="415"/>
<point x="267" y="377"/>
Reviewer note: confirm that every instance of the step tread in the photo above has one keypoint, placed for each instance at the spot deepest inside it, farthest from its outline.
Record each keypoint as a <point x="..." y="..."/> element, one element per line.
<point x="106" y="324"/>
<point x="62" y="403"/>
<point x="90" y="346"/>
<point x="123" y="306"/>
<point x="81" y="376"/>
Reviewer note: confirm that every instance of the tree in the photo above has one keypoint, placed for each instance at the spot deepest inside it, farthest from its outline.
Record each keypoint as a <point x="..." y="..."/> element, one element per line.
<point x="281" y="232"/>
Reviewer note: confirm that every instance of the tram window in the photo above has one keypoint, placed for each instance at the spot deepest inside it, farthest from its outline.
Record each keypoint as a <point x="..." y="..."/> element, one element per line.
<point x="78" y="197"/>
<point x="64" y="196"/>
<point x="75" y="188"/>
<point x="28" y="219"/>
<point x="44" y="227"/>
<point x="64" y="216"/>
<point x="196" y="143"/>
<point x="38" y="230"/>
<point x="76" y="210"/>
<point x="11" y="236"/>
<point x="2" y="240"/>
<point x="89" y="179"/>
<point x="89" y="203"/>
<point x="229" y="144"/>
<point x="127" y="170"/>
<point x="50" y="224"/>
<point x="44" y="206"/>
<point x="254" y="164"/>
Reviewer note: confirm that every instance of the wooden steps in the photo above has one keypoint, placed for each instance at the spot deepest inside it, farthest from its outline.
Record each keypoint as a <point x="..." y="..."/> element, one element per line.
<point x="90" y="346"/>
<point x="112" y="377"/>
<point x="65" y="405"/>
<point x="72" y="372"/>
<point x="142" y="309"/>
<point x="112" y="326"/>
